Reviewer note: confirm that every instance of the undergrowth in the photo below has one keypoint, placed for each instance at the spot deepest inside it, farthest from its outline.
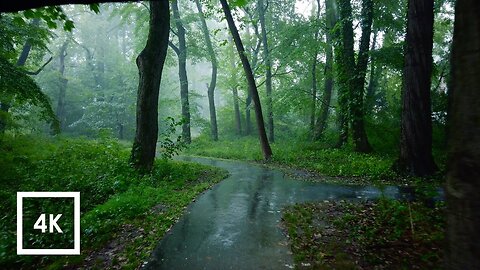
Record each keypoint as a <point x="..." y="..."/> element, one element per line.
<point x="113" y="196"/>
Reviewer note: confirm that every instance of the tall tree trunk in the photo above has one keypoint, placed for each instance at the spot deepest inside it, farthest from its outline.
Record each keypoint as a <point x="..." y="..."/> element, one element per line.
<point x="463" y="175"/>
<point x="416" y="128"/>
<point x="346" y="69"/>
<point x="357" y="107"/>
<point x="150" y="65"/>
<point x="373" y="80"/>
<point x="182" y="73"/>
<point x="248" y="119"/>
<point x="61" y="114"/>
<point x="331" y="19"/>
<point x="213" y="80"/>
<point x="266" y="150"/>
<point x="248" y="99"/>
<point x="236" y="108"/>
<point x="268" y="73"/>
<point x="313" y="108"/>
<point x="352" y="75"/>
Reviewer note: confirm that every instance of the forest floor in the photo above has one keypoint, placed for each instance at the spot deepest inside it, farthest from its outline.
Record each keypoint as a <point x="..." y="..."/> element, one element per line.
<point x="123" y="214"/>
<point x="383" y="234"/>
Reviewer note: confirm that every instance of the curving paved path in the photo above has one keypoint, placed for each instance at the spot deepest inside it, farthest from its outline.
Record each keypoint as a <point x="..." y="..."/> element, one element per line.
<point x="236" y="224"/>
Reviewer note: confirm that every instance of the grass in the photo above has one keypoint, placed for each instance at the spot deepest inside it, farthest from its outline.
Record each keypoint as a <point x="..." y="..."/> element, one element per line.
<point x="123" y="214"/>
<point x="311" y="157"/>
<point x="387" y="234"/>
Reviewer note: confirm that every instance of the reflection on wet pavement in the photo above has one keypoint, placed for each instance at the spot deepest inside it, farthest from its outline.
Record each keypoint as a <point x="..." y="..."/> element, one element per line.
<point x="236" y="224"/>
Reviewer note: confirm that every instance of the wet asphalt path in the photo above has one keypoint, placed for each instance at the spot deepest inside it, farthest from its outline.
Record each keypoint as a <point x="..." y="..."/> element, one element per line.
<point x="236" y="224"/>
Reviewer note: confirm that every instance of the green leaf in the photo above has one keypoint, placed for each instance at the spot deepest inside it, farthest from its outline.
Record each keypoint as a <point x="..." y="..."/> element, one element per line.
<point x="29" y="14"/>
<point x="68" y="26"/>
<point x="51" y="24"/>
<point x="95" y="8"/>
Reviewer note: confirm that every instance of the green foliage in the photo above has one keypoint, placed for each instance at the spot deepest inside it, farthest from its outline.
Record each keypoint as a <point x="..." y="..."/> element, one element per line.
<point x="112" y="193"/>
<point x="17" y="86"/>
<point x="247" y="148"/>
<point x="300" y="154"/>
<point x="168" y="147"/>
<point x="50" y="15"/>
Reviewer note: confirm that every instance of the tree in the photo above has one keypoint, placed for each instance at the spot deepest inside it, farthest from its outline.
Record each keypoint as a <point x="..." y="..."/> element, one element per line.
<point x="32" y="34"/>
<point x="213" y="80"/>
<point x="181" y="52"/>
<point x="463" y="179"/>
<point x="62" y="86"/>
<point x="234" y="86"/>
<point x="314" y="72"/>
<point x="150" y="66"/>
<point x="22" y="59"/>
<point x="268" y="69"/>
<point x="331" y="18"/>
<point x="416" y="124"/>
<point x="357" y="105"/>
<point x="266" y="150"/>
<point x="352" y="74"/>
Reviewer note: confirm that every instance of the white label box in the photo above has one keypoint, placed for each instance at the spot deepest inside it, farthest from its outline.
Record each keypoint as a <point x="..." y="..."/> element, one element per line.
<point x="76" y="223"/>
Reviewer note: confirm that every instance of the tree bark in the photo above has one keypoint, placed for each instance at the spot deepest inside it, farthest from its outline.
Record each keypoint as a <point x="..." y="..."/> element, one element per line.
<point x="463" y="175"/>
<point x="61" y="114"/>
<point x="373" y="80"/>
<point x="213" y="80"/>
<point x="150" y="65"/>
<point x="266" y="150"/>
<point x="182" y="74"/>
<point x="416" y="127"/>
<point x="313" y="108"/>
<point x="268" y="72"/>
<point x="357" y="106"/>
<point x="236" y="107"/>
<point x="346" y="69"/>
<point x="254" y="60"/>
<point x="331" y="19"/>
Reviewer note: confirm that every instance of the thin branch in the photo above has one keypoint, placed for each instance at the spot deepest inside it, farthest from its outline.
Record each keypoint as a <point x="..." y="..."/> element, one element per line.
<point x="40" y="69"/>
<point x="442" y="75"/>
<point x="174" y="48"/>
<point x="145" y="5"/>
<point x="173" y="31"/>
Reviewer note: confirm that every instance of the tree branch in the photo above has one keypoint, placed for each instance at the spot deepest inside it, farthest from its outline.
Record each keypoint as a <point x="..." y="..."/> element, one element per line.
<point x="174" y="48"/>
<point x="40" y="69"/>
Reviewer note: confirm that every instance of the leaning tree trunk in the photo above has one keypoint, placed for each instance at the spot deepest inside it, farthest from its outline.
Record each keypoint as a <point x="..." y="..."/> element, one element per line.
<point x="213" y="80"/>
<point x="150" y="65"/>
<point x="268" y="73"/>
<point x="463" y="174"/>
<point x="416" y="127"/>
<point x="357" y="105"/>
<point x="331" y="20"/>
<point x="61" y="113"/>
<point x="266" y="150"/>
<point x="182" y="74"/>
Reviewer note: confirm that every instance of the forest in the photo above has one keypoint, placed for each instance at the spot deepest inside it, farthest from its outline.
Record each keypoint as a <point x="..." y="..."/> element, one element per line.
<point x="240" y="134"/>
